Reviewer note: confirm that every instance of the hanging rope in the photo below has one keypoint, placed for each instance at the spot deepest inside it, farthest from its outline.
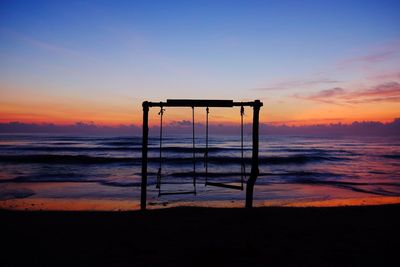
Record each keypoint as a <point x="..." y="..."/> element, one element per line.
<point x="158" y="183"/>
<point x="243" y="167"/>
<point x="194" y="152"/>
<point x="206" y="151"/>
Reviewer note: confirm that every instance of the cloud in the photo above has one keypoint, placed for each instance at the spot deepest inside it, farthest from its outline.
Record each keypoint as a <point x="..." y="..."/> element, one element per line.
<point x="366" y="128"/>
<point x="329" y="93"/>
<point x="50" y="47"/>
<point x="184" y="123"/>
<point x="297" y="84"/>
<point x="355" y="128"/>
<point x="41" y="44"/>
<point x="372" y="58"/>
<point x="307" y="121"/>
<point x="44" y="45"/>
<point x="89" y="128"/>
<point x="386" y="92"/>
<point x="384" y="52"/>
<point x="324" y="96"/>
<point x="394" y="75"/>
<point x="381" y="90"/>
<point x="379" y="99"/>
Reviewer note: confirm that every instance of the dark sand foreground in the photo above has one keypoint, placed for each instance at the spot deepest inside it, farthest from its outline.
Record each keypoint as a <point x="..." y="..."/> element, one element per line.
<point x="346" y="236"/>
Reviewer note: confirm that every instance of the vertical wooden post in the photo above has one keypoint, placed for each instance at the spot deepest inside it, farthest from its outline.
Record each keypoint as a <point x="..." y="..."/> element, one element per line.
<point x="254" y="160"/>
<point x="145" y="140"/>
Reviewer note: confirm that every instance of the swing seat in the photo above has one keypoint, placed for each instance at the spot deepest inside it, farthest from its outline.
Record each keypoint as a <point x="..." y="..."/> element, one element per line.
<point x="177" y="193"/>
<point x="230" y="186"/>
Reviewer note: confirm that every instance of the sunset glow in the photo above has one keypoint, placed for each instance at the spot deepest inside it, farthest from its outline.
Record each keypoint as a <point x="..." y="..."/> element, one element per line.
<point x="64" y="63"/>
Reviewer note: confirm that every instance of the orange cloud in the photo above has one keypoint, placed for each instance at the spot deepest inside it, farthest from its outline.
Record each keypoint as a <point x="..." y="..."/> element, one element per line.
<point x="387" y="92"/>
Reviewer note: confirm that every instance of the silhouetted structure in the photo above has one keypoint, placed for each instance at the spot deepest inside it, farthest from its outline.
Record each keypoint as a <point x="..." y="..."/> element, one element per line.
<point x="257" y="104"/>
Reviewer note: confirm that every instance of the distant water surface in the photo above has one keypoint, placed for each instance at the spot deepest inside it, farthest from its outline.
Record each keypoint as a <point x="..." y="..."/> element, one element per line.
<point x="84" y="172"/>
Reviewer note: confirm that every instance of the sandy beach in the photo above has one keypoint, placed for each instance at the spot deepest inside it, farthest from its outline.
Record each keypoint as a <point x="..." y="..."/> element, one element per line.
<point x="285" y="236"/>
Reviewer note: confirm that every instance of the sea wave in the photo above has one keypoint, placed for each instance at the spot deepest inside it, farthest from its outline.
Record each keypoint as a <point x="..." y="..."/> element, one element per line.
<point x="6" y="193"/>
<point x="120" y="184"/>
<point x="50" y="177"/>
<point x="392" y="156"/>
<point x="69" y="178"/>
<point x="370" y="188"/>
<point x="84" y="159"/>
<point x="120" y="143"/>
<point x="65" y="159"/>
<point x="168" y="149"/>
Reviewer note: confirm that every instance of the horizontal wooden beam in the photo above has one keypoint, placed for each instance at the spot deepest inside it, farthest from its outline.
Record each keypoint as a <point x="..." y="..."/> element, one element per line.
<point x="202" y="103"/>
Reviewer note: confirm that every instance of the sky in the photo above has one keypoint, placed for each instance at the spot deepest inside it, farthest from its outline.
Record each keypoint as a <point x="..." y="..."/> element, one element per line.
<point x="310" y="62"/>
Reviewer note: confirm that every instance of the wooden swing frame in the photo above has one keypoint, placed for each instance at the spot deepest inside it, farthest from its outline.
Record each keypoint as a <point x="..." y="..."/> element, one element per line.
<point x="257" y="104"/>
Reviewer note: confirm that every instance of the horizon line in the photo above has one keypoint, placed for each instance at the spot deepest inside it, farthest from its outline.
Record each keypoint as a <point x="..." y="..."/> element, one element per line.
<point x="182" y="123"/>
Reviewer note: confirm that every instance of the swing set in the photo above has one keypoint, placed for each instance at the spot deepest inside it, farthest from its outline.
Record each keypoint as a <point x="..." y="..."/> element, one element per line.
<point x="207" y="104"/>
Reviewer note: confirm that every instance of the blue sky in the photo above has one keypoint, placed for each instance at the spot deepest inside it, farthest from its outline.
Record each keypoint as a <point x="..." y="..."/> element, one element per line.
<point x="107" y="55"/>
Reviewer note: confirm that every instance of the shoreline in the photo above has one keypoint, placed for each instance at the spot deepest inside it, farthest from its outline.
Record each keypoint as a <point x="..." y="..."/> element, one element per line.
<point x="47" y="204"/>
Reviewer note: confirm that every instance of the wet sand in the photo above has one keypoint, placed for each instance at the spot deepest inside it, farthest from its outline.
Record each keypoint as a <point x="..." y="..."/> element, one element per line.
<point x="60" y="204"/>
<point x="336" y="236"/>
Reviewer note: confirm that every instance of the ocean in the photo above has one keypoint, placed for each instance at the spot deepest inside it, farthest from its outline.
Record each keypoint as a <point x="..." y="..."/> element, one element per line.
<point x="104" y="172"/>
